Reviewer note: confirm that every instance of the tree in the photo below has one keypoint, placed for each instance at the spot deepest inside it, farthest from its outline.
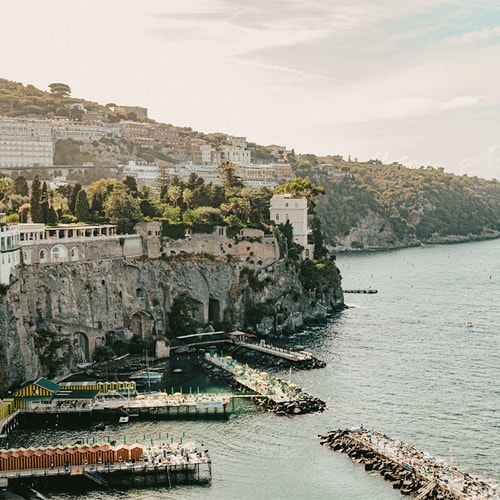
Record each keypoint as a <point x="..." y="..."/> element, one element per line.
<point x="174" y="193"/>
<point x="82" y="209"/>
<point x="21" y="186"/>
<point x="131" y="182"/>
<point x="230" y="180"/>
<point x="36" y="194"/>
<point x="44" y="202"/>
<point x="60" y="89"/>
<point x="123" y="209"/>
<point x="72" y="198"/>
<point x="6" y="185"/>
<point x="187" y="197"/>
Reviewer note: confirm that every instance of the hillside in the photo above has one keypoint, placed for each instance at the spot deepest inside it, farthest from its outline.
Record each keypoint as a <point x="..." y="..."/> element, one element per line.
<point x="366" y="205"/>
<point x="371" y="205"/>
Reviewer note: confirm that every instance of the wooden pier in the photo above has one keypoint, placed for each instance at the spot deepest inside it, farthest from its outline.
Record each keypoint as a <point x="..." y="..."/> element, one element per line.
<point x="294" y="356"/>
<point x="105" y="466"/>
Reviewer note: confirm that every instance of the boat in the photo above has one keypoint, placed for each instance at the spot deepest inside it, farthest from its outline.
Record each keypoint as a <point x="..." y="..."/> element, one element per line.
<point x="123" y="420"/>
<point x="468" y="324"/>
<point x="146" y="376"/>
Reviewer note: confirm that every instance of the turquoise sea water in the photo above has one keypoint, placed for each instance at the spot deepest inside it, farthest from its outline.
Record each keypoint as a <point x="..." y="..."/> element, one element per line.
<point x="400" y="361"/>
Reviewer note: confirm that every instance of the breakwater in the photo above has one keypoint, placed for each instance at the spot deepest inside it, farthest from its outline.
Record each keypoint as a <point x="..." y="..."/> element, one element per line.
<point x="272" y="393"/>
<point x="409" y="470"/>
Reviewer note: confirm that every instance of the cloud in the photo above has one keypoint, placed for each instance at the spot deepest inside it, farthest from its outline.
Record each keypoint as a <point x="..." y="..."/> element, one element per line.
<point x="462" y="102"/>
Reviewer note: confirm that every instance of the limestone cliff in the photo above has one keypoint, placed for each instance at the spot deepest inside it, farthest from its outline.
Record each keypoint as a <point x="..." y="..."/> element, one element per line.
<point x="58" y="314"/>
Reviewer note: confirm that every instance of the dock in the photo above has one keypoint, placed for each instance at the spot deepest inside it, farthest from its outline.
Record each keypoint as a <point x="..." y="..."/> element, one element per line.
<point x="361" y="290"/>
<point x="105" y="466"/>
<point x="262" y="346"/>
<point x="275" y="394"/>
<point x="412" y="471"/>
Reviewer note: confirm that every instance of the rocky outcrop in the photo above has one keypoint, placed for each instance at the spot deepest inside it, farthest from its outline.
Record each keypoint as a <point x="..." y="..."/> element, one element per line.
<point x="50" y="311"/>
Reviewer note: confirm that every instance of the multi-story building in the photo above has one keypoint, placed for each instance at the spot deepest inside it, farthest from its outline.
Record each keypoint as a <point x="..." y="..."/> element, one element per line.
<point x="10" y="249"/>
<point x="139" y="132"/>
<point x="237" y="142"/>
<point x="284" y="207"/>
<point x="139" y="111"/>
<point x="78" y="131"/>
<point x="236" y="155"/>
<point x="25" y="143"/>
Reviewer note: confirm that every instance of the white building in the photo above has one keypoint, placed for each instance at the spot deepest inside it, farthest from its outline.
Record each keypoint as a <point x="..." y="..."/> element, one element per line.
<point x="78" y="131"/>
<point x="285" y="207"/>
<point x="236" y="155"/>
<point x="144" y="173"/>
<point x="10" y="249"/>
<point x="25" y="143"/>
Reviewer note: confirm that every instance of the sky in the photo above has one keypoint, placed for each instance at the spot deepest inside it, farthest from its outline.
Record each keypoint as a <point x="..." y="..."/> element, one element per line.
<point x="410" y="82"/>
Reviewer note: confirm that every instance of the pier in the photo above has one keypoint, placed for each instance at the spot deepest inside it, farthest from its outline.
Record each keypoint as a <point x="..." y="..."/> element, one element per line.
<point x="106" y="466"/>
<point x="412" y="471"/>
<point x="294" y="356"/>
<point x="275" y="395"/>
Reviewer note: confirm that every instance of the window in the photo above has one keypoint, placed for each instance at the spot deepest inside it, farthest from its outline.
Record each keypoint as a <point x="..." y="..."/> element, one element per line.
<point x="43" y="255"/>
<point x="286" y="205"/>
<point x="277" y="216"/>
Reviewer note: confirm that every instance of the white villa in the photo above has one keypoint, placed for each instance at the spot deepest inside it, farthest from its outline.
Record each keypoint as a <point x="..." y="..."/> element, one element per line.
<point x="285" y="207"/>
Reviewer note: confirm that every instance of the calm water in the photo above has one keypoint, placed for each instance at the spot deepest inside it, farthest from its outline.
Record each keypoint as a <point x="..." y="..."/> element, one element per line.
<point x="400" y="361"/>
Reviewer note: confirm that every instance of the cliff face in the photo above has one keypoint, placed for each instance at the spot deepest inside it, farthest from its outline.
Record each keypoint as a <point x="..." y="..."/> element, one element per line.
<point x="56" y="314"/>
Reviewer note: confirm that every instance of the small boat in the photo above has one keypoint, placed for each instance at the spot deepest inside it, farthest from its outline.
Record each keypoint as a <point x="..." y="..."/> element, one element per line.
<point x="177" y="370"/>
<point x="146" y="376"/>
<point x="123" y="420"/>
<point x="468" y="324"/>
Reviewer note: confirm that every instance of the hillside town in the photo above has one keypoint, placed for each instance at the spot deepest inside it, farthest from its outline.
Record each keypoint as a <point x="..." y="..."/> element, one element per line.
<point x="28" y="143"/>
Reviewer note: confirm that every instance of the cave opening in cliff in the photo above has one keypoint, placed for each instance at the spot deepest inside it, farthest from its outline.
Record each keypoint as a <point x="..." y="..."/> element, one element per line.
<point x="214" y="312"/>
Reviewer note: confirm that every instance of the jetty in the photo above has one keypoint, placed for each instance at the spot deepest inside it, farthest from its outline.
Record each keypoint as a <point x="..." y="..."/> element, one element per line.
<point x="263" y="353"/>
<point x="104" y="466"/>
<point x="276" y="395"/>
<point x="413" y="472"/>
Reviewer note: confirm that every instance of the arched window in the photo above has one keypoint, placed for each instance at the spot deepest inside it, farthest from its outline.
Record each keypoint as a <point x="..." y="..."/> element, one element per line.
<point x="55" y="253"/>
<point x="43" y="255"/>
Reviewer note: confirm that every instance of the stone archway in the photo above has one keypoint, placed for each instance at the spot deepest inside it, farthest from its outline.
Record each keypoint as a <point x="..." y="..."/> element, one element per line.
<point x="82" y="346"/>
<point x="142" y="324"/>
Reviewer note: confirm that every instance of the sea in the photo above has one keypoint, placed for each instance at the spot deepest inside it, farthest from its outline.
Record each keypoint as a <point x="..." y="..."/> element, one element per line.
<point x="400" y="361"/>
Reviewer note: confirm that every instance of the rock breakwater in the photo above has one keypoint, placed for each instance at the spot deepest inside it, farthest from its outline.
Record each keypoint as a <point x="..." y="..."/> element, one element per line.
<point x="409" y="470"/>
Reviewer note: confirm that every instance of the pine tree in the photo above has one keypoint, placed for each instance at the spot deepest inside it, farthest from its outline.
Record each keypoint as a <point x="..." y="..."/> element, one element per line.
<point x="21" y="186"/>
<point x="36" y="194"/>
<point x="72" y="197"/>
<point x="44" y="203"/>
<point x="82" y="209"/>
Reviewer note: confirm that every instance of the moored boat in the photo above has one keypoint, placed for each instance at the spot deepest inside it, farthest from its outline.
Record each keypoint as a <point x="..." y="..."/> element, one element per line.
<point x="146" y="376"/>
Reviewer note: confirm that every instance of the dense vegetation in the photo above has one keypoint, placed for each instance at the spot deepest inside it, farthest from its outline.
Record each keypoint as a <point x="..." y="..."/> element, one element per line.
<point x="424" y="204"/>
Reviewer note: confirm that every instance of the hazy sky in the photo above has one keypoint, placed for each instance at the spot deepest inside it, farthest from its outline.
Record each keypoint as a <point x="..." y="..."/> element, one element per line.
<point x="416" y="82"/>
